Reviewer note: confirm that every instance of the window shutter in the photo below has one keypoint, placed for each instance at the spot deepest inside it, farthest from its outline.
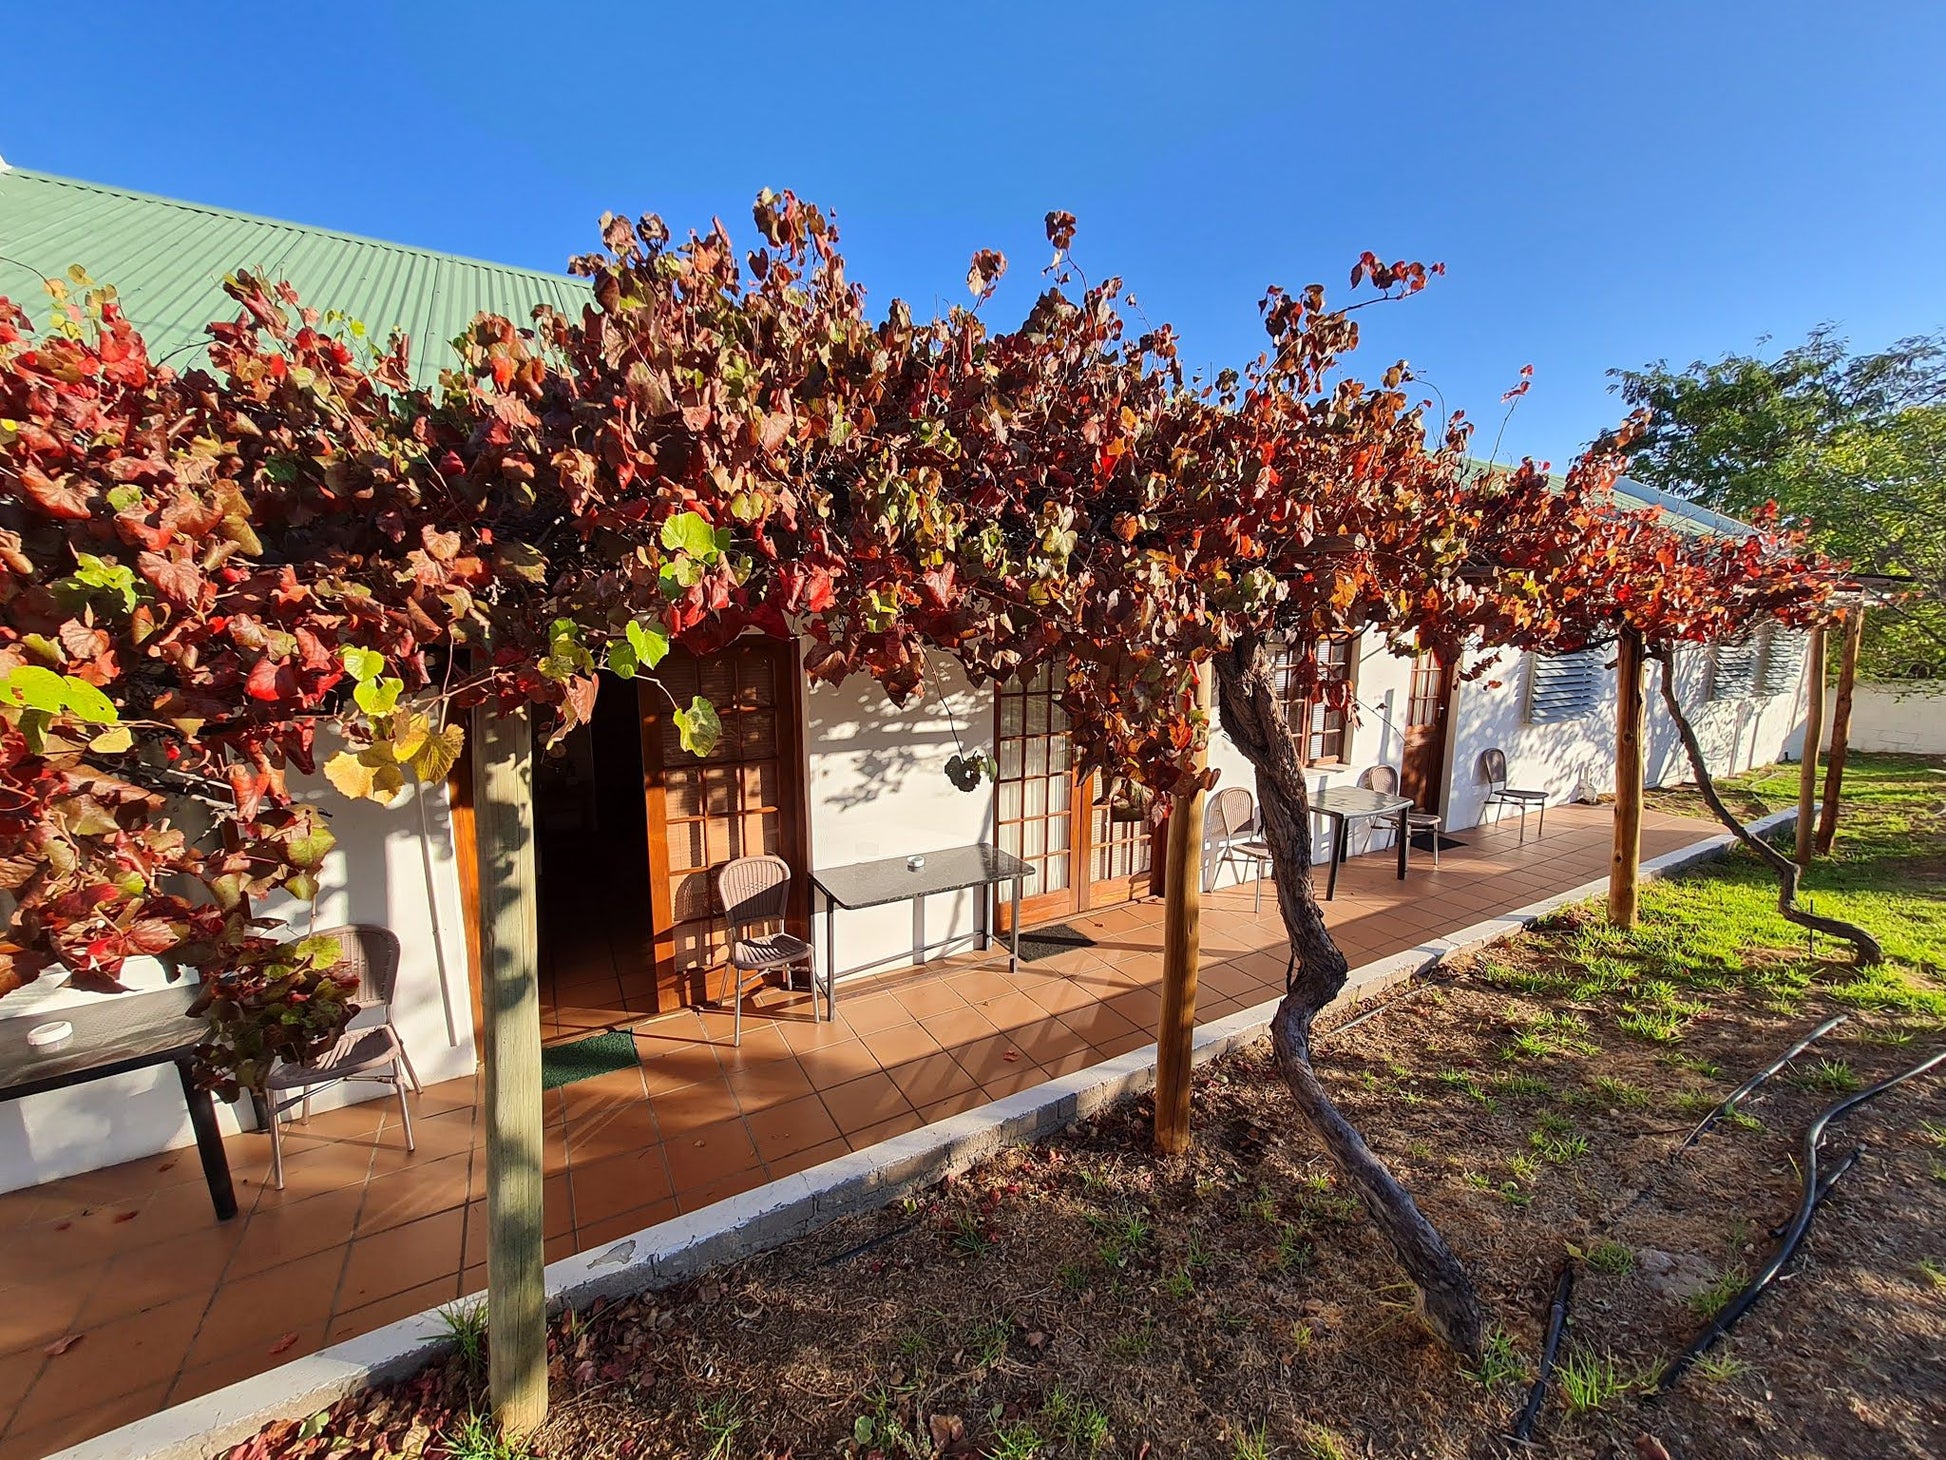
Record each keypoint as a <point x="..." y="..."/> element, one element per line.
<point x="1736" y="670"/>
<point x="1564" y="686"/>
<point x="1783" y="663"/>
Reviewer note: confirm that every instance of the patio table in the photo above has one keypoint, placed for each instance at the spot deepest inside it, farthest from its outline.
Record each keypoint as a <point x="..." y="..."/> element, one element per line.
<point x="891" y="879"/>
<point x="1346" y="804"/>
<point x="113" y="1034"/>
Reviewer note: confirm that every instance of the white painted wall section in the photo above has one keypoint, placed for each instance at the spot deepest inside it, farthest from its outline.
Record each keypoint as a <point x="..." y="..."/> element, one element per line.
<point x="1905" y="719"/>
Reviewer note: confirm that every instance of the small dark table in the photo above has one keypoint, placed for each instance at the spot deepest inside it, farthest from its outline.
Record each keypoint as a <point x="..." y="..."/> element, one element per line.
<point x="871" y="884"/>
<point x="113" y="1034"/>
<point x="1346" y="804"/>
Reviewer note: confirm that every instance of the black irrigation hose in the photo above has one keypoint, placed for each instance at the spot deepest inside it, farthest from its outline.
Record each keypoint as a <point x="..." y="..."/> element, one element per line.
<point x="1557" y="1321"/>
<point x="1826" y="1182"/>
<point x="1794" y="1233"/>
<point x="1757" y="1079"/>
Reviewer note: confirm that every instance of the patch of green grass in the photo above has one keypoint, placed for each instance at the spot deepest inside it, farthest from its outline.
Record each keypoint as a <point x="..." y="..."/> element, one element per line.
<point x="1723" y="1287"/>
<point x="719" y="1420"/>
<point x="1017" y="1441"/>
<point x="1934" y="1130"/>
<point x="986" y="1343"/>
<point x="1587" y="1380"/>
<point x="1620" y="1094"/>
<point x="1523" y="1087"/>
<point x="1933" y="1270"/>
<point x="1558" y="1148"/>
<point x="1132" y="1344"/>
<point x="1720" y="1367"/>
<point x="1293" y="1252"/>
<point x="970" y="1236"/>
<point x="1659" y="1026"/>
<point x="1500" y="1362"/>
<point x="1553" y="1034"/>
<point x="1253" y="1443"/>
<point x="1075" y="1421"/>
<point x="1833" y="1075"/>
<point x="1320" y="1443"/>
<point x="1179" y="1286"/>
<point x="477" y="1437"/>
<point x="1524" y="1168"/>
<point x="467" y="1325"/>
<point x="1613" y="1258"/>
<point x="1463" y="1081"/>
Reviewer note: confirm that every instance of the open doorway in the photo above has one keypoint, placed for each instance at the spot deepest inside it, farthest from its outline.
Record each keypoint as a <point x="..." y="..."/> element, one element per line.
<point x="597" y="953"/>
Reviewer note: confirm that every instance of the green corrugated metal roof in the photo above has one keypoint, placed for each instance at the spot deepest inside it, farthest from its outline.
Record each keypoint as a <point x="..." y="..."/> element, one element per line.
<point x="167" y="260"/>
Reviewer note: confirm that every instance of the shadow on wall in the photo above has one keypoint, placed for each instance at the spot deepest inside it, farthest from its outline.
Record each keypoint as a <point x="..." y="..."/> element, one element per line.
<point x="873" y="749"/>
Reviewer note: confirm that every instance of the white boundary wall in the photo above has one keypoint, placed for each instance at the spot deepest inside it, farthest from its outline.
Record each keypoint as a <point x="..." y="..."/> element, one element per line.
<point x="1910" y="719"/>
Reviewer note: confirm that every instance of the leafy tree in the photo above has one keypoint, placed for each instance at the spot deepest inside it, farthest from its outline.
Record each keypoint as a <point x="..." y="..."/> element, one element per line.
<point x="1852" y="447"/>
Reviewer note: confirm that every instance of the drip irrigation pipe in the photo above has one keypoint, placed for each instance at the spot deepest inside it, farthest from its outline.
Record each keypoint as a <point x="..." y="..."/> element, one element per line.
<point x="1557" y="1321"/>
<point x="1757" y="1079"/>
<point x="1826" y="1182"/>
<point x="1375" y="1011"/>
<point x="1794" y="1233"/>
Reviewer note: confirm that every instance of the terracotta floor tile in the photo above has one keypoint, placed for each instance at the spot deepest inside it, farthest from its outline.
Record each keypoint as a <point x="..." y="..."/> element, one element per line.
<point x="804" y="1160"/>
<point x="241" y="1363"/>
<point x="927" y="1081"/>
<point x="762" y="1043"/>
<point x="601" y="1095"/>
<point x="795" y="1125"/>
<point x="979" y="985"/>
<point x="355" y="1321"/>
<point x="107" y="1412"/>
<point x="617" y="1184"/>
<point x="864" y="1101"/>
<point x="625" y="1224"/>
<point x="1014" y="1082"/>
<point x="683" y="1110"/>
<point x="901" y="1045"/>
<point x="958" y="1026"/>
<point x="128" y="1355"/>
<point x="952" y="1105"/>
<point x="709" y="1153"/>
<point x="34" y="1315"/>
<point x="884" y="1130"/>
<point x="931" y="996"/>
<point x="279" y="1234"/>
<point x="416" y="1191"/>
<point x="613" y="1132"/>
<point x="990" y="1058"/>
<point x="402" y="1257"/>
<point x="150" y="1276"/>
<point x="873" y="1012"/>
<point x="675" y="1069"/>
<point x="776" y="1082"/>
<point x="835" y="1064"/>
<point x="268" y="1304"/>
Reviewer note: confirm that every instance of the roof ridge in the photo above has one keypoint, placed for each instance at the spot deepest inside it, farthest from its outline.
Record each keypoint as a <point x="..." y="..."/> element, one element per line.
<point x="212" y="210"/>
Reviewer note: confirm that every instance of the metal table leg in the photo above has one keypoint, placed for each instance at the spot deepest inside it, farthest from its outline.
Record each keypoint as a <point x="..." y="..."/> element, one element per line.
<point x="1338" y="841"/>
<point x="830" y="962"/>
<point x="1405" y="833"/>
<point x="1013" y="962"/>
<point x="209" y="1143"/>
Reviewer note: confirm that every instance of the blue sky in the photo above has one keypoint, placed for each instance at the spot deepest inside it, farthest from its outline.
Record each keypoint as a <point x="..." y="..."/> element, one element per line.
<point x="1607" y="183"/>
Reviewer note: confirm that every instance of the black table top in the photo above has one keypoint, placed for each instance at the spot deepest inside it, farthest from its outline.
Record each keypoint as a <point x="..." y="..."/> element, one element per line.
<point x="1357" y="801"/>
<point x="867" y="884"/>
<point x="110" y="1031"/>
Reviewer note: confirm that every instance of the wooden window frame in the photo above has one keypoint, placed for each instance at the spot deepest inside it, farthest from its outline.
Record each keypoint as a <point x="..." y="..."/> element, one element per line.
<point x="1299" y="709"/>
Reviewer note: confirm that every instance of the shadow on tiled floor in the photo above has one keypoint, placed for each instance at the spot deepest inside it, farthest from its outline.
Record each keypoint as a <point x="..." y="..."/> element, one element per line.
<point x="169" y="1304"/>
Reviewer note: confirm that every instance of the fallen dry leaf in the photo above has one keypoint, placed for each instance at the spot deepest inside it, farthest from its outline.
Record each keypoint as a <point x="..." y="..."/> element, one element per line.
<point x="127" y="1216"/>
<point x="287" y="1341"/>
<point x="61" y="1345"/>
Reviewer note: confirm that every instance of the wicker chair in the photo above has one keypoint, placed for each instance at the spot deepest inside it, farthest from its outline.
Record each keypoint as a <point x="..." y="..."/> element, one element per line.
<point x="1493" y="770"/>
<point x="367" y="1050"/>
<point x="755" y="891"/>
<point x="1385" y="780"/>
<point x="1232" y="830"/>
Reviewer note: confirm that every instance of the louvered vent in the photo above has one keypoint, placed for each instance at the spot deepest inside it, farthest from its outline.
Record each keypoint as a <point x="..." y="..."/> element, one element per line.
<point x="1564" y="686"/>
<point x="1783" y="663"/>
<point x="1736" y="670"/>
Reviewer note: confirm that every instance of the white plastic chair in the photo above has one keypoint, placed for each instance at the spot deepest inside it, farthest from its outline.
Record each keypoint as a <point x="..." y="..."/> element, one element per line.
<point x="755" y="893"/>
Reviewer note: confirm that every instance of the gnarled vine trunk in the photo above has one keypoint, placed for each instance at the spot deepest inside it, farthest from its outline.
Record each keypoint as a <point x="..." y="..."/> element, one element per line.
<point x="1252" y="719"/>
<point x="1788" y="872"/>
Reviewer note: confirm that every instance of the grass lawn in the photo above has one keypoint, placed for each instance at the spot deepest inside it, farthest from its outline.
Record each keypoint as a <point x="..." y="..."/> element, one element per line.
<point x="1083" y="1298"/>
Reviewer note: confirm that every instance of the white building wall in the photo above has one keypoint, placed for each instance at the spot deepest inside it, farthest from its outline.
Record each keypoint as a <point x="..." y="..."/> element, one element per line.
<point x="1909" y="719"/>
<point x="1560" y="756"/>
<point x="878" y="788"/>
<point x="391" y="866"/>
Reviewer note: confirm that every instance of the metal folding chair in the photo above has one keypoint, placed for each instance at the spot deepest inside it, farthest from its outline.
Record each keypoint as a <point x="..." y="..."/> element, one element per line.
<point x="755" y="893"/>
<point x="1493" y="770"/>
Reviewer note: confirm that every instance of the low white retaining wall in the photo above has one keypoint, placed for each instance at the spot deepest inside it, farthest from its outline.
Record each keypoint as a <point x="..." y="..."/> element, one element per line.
<point x="1910" y="719"/>
<point x="774" y="1214"/>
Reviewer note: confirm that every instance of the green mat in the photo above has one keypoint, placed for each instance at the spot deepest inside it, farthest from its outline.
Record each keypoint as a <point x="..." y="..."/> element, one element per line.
<point x="563" y="1064"/>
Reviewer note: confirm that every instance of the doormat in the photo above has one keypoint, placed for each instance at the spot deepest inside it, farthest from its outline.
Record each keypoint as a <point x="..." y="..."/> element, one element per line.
<point x="1046" y="942"/>
<point x="600" y="1054"/>
<point x="1422" y="842"/>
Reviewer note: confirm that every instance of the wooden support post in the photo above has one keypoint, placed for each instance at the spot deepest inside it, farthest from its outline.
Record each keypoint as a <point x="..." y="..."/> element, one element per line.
<point x="1834" y="766"/>
<point x="1625" y="864"/>
<point x="510" y="939"/>
<point x="1807" y="779"/>
<point x="1181" y="944"/>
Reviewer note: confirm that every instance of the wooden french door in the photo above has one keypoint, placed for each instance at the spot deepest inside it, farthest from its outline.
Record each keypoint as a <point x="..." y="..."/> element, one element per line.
<point x="1422" y="773"/>
<point x="745" y="798"/>
<point x="1059" y="822"/>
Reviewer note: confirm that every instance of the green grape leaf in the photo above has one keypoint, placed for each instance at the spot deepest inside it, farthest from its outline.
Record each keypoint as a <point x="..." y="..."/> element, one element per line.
<point x="688" y="532"/>
<point x="363" y="665"/>
<point x="699" y="727"/>
<point x="650" y="641"/>
<point x="378" y="697"/>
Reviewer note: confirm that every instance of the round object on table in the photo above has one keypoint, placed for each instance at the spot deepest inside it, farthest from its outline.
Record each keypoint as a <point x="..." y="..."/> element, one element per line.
<point x="50" y="1036"/>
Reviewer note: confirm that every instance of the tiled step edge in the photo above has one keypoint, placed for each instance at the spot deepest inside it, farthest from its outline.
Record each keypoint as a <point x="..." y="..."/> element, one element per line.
<point x="774" y="1214"/>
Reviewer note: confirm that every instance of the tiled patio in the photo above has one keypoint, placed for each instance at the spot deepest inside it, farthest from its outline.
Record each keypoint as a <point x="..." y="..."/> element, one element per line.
<point x="168" y="1304"/>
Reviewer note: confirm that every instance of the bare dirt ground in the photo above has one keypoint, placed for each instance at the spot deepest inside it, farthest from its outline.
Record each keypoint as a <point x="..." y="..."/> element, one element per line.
<point x="1081" y="1297"/>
